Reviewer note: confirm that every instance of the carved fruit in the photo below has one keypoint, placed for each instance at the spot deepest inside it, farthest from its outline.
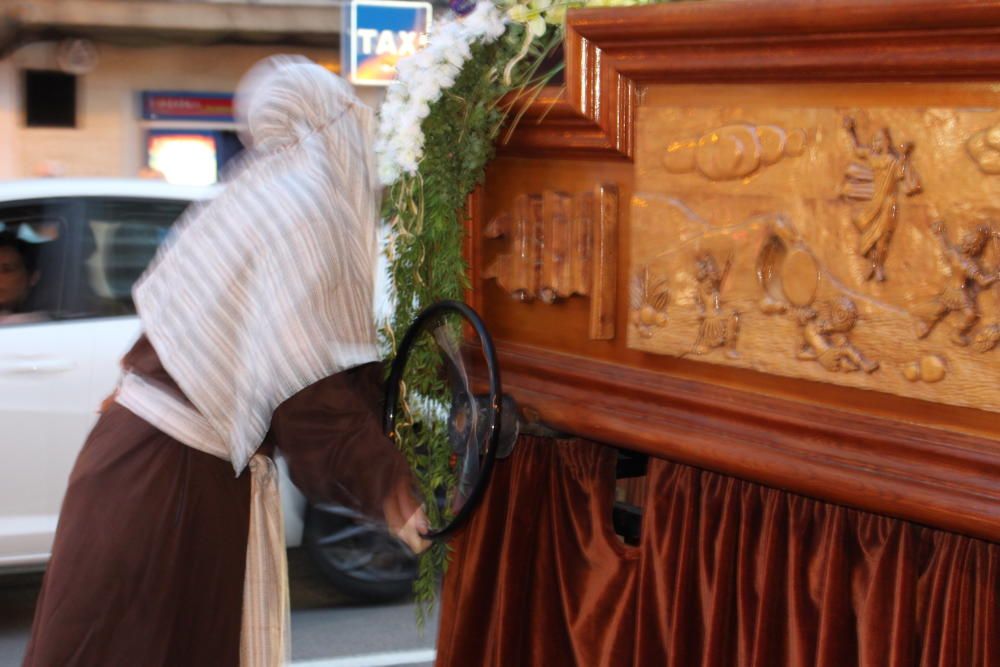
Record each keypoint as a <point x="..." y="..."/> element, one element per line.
<point x="932" y="368"/>
<point x="636" y="318"/>
<point x="648" y="315"/>
<point x="929" y="368"/>
<point x="661" y="319"/>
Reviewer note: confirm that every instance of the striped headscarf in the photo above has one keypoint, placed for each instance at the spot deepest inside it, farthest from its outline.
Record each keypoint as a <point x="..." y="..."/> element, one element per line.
<point x="268" y="288"/>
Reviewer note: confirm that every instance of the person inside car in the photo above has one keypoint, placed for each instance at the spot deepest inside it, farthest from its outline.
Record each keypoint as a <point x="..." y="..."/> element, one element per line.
<point x="18" y="274"/>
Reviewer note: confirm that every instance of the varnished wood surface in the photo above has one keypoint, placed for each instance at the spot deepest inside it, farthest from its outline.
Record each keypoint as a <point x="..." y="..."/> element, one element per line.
<point x="563" y="327"/>
<point x="604" y="295"/>
<point x="932" y="476"/>
<point x="768" y="198"/>
<point x="925" y="461"/>
<point x="612" y="54"/>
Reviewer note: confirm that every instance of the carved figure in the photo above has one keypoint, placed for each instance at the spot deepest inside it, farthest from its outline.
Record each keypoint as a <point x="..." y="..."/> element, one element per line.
<point x="968" y="277"/>
<point x="733" y="151"/>
<point x="649" y="299"/>
<point x="987" y="338"/>
<point x="717" y="328"/>
<point x="884" y="170"/>
<point x="826" y="341"/>
<point x="984" y="149"/>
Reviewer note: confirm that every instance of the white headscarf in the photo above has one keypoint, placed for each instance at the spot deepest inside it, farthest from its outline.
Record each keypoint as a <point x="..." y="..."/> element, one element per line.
<point x="268" y="288"/>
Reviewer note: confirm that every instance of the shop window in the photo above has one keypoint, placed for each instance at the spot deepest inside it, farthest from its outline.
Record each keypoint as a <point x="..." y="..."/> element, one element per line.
<point x="50" y="99"/>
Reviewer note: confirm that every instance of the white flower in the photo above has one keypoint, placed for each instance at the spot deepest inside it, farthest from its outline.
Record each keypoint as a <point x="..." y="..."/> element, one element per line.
<point x="388" y="171"/>
<point x="518" y="13"/>
<point x="486" y="21"/>
<point x="457" y="54"/>
<point x="556" y="15"/>
<point x="422" y="110"/>
<point x="426" y="88"/>
<point x="422" y="79"/>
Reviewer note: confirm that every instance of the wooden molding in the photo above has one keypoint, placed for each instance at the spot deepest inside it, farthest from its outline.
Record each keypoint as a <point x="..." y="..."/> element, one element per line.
<point x="611" y="53"/>
<point x="604" y="276"/>
<point x="906" y="457"/>
<point x="558" y="245"/>
<point x="472" y="249"/>
<point x="941" y="478"/>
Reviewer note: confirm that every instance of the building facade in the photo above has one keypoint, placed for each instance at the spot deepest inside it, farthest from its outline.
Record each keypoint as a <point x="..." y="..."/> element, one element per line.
<point x="72" y="90"/>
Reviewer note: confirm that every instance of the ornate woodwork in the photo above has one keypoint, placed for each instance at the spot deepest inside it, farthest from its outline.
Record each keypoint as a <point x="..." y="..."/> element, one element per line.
<point x="559" y="246"/>
<point x="806" y="281"/>
<point x="833" y="264"/>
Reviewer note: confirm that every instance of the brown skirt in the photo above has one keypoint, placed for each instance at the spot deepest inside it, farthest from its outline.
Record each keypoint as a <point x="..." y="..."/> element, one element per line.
<point x="148" y="561"/>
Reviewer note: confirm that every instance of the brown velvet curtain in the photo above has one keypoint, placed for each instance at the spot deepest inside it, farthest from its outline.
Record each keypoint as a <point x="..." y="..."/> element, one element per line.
<point x="728" y="573"/>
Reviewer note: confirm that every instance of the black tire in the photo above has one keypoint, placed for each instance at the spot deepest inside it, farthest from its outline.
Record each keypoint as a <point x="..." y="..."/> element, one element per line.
<point x="359" y="559"/>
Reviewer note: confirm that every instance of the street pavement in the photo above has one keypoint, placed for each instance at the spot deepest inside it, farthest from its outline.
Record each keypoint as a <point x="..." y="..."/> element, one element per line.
<point x="327" y="630"/>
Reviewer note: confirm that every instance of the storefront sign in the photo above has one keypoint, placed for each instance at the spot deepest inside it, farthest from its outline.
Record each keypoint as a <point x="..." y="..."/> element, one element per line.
<point x="380" y="33"/>
<point x="163" y="105"/>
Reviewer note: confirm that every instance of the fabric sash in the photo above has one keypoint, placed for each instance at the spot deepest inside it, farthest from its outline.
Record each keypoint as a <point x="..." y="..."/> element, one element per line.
<point x="265" y="636"/>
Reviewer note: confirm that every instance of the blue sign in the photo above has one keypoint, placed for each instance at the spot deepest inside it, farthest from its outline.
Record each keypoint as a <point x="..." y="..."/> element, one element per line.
<point x="381" y="32"/>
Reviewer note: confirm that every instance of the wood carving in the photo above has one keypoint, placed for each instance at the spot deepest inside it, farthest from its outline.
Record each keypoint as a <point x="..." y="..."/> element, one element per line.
<point x="718" y="328"/>
<point x="559" y="246"/>
<point x="733" y="152"/>
<point x="770" y="265"/>
<point x="648" y="300"/>
<point x="987" y="338"/>
<point x="604" y="286"/>
<point x="967" y="278"/>
<point x="789" y="281"/>
<point x="984" y="149"/>
<point x="825" y="337"/>
<point x="923" y="68"/>
<point x="929" y="368"/>
<point x="884" y="170"/>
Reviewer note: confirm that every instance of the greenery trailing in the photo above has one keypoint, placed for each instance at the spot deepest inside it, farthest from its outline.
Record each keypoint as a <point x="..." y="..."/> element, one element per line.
<point x="425" y="212"/>
<point x="426" y="263"/>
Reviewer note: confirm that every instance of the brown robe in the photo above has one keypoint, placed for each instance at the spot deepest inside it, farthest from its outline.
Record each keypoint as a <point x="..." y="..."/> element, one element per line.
<point x="148" y="562"/>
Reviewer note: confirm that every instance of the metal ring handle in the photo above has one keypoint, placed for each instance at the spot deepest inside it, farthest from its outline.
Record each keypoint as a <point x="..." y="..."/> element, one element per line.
<point x="427" y="316"/>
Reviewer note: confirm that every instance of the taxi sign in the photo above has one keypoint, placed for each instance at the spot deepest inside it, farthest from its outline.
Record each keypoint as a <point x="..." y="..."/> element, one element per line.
<point x="380" y="33"/>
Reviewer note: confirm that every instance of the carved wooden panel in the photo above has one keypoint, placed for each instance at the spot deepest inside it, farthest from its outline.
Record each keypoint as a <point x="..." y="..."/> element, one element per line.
<point x="855" y="246"/>
<point x="799" y="426"/>
<point x="558" y="245"/>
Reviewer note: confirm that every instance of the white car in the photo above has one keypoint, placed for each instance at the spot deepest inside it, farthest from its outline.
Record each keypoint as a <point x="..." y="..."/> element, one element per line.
<point x="88" y="242"/>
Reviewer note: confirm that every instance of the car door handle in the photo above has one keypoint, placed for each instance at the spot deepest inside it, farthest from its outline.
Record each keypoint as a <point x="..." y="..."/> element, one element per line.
<point x="37" y="365"/>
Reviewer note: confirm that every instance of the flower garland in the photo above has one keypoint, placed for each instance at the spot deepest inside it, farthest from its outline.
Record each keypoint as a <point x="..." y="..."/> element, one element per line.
<point x="421" y="80"/>
<point x="438" y="128"/>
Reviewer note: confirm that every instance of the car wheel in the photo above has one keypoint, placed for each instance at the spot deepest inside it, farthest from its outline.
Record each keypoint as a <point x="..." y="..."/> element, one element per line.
<point x="360" y="559"/>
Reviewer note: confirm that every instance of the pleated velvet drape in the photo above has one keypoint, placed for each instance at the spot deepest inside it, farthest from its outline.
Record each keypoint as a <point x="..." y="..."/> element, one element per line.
<point x="728" y="573"/>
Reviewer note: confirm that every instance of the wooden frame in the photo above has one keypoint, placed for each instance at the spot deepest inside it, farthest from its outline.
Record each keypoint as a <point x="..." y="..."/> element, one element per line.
<point x="610" y="52"/>
<point x="900" y="457"/>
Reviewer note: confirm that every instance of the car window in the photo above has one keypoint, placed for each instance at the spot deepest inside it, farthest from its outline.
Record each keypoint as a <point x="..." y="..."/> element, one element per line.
<point x="33" y="251"/>
<point x="118" y="239"/>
